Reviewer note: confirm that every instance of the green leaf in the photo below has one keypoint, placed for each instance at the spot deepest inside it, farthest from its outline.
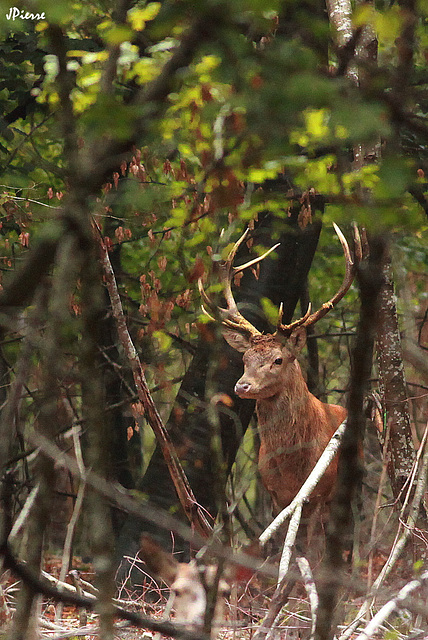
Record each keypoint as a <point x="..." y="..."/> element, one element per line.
<point x="138" y="17"/>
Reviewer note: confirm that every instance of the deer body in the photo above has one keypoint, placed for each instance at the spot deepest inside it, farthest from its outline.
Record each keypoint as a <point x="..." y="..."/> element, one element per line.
<point x="294" y="425"/>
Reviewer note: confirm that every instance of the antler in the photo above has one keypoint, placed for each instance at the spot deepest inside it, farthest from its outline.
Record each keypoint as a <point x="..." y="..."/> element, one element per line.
<point x="232" y="318"/>
<point x="350" y="269"/>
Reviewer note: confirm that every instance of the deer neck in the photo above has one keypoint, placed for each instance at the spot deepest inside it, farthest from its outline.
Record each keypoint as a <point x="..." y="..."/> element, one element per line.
<point x="287" y="416"/>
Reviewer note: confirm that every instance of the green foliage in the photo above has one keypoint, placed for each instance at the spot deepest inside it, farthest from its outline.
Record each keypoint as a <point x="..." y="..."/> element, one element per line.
<point x="250" y="105"/>
<point x="195" y="135"/>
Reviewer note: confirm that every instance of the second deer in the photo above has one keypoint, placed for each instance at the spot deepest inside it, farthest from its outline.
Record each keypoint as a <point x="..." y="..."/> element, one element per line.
<point x="189" y="583"/>
<point x="294" y="426"/>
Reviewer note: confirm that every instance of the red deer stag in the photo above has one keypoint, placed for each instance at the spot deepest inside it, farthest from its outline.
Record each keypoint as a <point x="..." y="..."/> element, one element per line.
<point x="294" y="425"/>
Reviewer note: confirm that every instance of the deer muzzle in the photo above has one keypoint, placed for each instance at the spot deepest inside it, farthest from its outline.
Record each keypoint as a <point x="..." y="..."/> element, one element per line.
<point x="242" y="389"/>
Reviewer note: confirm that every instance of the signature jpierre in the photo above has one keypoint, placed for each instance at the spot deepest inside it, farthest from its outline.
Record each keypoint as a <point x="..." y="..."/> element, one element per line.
<point x="15" y="13"/>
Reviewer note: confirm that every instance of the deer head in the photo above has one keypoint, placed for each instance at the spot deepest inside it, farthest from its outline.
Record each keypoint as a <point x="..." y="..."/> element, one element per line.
<point x="188" y="583"/>
<point x="270" y="360"/>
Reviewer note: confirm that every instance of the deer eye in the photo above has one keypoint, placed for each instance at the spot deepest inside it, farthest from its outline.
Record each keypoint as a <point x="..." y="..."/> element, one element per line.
<point x="278" y="361"/>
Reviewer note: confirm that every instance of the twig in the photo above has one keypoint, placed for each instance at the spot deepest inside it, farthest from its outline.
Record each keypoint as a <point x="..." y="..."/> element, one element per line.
<point x="290" y="539"/>
<point x="83" y="618"/>
<point x="66" y="554"/>
<point x="382" y="481"/>
<point x="23" y="514"/>
<point x="87" y="630"/>
<point x="91" y="630"/>
<point x="399" y="602"/>
<point x="81" y="584"/>
<point x="65" y="587"/>
<point x="311" y="590"/>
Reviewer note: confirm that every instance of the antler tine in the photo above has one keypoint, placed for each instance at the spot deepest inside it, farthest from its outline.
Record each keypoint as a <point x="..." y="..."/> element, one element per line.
<point x="309" y="318"/>
<point x="286" y="329"/>
<point x="206" y="313"/>
<point x="344" y="244"/>
<point x="347" y="281"/>
<point x="250" y="263"/>
<point x="228" y="322"/>
<point x="210" y="304"/>
<point x="232" y="253"/>
<point x="231" y="317"/>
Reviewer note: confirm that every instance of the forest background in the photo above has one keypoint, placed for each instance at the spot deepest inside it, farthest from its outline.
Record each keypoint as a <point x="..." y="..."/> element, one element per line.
<point x="138" y="140"/>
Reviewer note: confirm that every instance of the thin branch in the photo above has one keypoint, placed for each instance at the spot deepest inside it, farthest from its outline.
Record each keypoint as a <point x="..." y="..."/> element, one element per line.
<point x="187" y="499"/>
<point x="399" y="602"/>
<point x="311" y="590"/>
<point x="289" y="542"/>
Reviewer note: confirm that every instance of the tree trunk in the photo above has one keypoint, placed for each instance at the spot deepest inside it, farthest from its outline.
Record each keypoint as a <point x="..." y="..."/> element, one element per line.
<point x="350" y="468"/>
<point x="392" y="386"/>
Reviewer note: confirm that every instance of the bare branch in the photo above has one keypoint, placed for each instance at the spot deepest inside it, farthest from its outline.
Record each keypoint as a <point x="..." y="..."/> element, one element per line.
<point x="311" y="590"/>
<point x="187" y="499"/>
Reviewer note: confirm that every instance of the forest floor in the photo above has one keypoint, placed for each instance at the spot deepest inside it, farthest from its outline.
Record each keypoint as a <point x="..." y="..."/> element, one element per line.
<point x="246" y="608"/>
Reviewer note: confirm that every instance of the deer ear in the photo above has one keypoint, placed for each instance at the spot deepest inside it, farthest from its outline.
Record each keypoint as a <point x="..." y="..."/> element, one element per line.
<point x="297" y="340"/>
<point x="160" y="563"/>
<point x="237" y="340"/>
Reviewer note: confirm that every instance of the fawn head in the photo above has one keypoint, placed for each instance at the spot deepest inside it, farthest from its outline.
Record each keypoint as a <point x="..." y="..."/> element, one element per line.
<point x="187" y="581"/>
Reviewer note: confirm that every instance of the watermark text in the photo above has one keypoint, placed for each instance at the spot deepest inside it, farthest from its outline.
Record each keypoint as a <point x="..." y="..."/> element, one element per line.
<point x="14" y="13"/>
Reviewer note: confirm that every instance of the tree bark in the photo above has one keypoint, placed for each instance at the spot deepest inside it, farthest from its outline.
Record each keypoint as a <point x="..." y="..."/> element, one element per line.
<point x="392" y="386"/>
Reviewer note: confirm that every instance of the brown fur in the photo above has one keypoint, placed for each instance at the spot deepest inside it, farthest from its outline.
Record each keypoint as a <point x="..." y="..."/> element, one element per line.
<point x="294" y="425"/>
